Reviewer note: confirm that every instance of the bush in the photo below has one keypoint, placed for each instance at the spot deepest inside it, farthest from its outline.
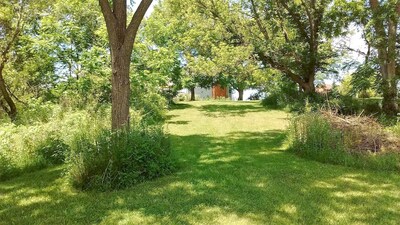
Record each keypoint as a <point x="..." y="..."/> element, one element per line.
<point x="313" y="136"/>
<point x="371" y="107"/>
<point x="348" y="105"/>
<point x="299" y="102"/>
<point x="53" y="151"/>
<point x="107" y="160"/>
<point x="271" y="101"/>
<point x="34" y="111"/>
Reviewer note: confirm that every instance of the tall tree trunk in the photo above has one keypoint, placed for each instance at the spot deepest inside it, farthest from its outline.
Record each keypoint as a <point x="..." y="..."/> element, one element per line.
<point x="121" y="37"/>
<point x="389" y="104"/>
<point x="308" y="88"/>
<point x="120" y="89"/>
<point x="240" y="94"/>
<point x="386" y="47"/>
<point x="192" y="94"/>
<point x="390" y="92"/>
<point x="10" y="108"/>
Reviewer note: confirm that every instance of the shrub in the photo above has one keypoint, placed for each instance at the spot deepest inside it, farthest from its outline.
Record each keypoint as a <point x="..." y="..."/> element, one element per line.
<point x="35" y="111"/>
<point x="53" y="151"/>
<point x="314" y="136"/>
<point x="299" y="103"/>
<point x="29" y="155"/>
<point x="346" y="105"/>
<point x="271" y="101"/>
<point x="107" y="160"/>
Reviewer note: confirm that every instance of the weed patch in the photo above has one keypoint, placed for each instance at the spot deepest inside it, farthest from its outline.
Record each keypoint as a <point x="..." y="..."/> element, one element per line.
<point x="114" y="160"/>
<point x="351" y="141"/>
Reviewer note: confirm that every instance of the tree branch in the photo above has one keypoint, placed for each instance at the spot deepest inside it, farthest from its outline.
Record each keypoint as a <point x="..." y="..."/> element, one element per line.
<point x="398" y="8"/>
<point x="135" y="22"/>
<point x="229" y="26"/>
<point x="14" y="37"/>
<point x="109" y="17"/>
<point x="258" y="20"/>
<point x="357" y="51"/>
<point x="268" y="60"/>
<point x="297" y="20"/>
<point x="120" y="14"/>
<point x="14" y="96"/>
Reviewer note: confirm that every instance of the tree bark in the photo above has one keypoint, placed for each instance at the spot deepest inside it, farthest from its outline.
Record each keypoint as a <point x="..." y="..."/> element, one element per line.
<point x="5" y="95"/>
<point x="240" y="94"/>
<point x="192" y="94"/>
<point x="11" y="109"/>
<point x="390" y="92"/>
<point x="121" y="37"/>
<point x="120" y="91"/>
<point x="386" y="47"/>
<point x="389" y="104"/>
<point x="308" y="87"/>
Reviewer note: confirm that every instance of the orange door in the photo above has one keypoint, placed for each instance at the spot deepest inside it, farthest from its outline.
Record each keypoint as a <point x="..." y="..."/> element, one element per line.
<point x="219" y="92"/>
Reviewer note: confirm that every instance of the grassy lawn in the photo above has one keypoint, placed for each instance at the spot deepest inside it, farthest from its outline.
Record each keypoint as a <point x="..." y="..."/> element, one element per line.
<point x="233" y="170"/>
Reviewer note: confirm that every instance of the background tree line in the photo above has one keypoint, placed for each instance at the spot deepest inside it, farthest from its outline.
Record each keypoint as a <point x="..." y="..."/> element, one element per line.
<point x="61" y="52"/>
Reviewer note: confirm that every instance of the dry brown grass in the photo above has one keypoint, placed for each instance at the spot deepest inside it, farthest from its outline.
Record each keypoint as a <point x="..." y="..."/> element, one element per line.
<point x="363" y="133"/>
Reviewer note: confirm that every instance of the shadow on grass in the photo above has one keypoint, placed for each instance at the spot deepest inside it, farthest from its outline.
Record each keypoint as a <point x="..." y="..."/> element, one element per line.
<point x="243" y="178"/>
<point x="223" y="110"/>
<point x="180" y="122"/>
<point x="177" y="106"/>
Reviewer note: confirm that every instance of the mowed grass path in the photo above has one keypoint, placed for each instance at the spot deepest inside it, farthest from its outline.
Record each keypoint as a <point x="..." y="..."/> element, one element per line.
<point x="233" y="170"/>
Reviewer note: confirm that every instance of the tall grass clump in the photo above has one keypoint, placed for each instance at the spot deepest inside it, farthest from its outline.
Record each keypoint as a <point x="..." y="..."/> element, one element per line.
<point x="315" y="136"/>
<point x="106" y="160"/>
<point x="312" y="136"/>
<point x="29" y="148"/>
<point x="38" y="144"/>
